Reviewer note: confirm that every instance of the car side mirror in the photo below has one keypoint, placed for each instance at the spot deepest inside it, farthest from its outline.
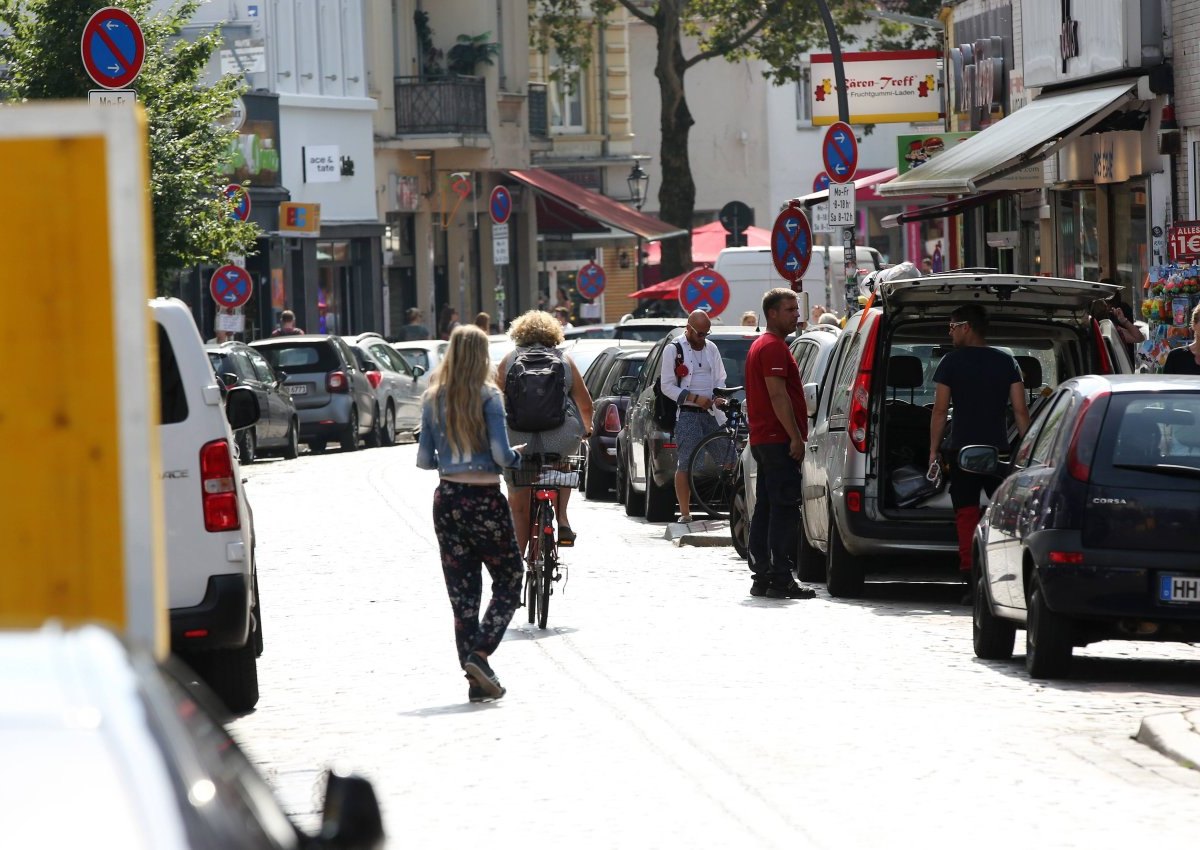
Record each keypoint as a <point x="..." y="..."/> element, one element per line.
<point x="241" y="407"/>
<point x="228" y="379"/>
<point x="282" y="375"/>
<point x="982" y="459"/>
<point x="351" y="819"/>
<point x="810" y="399"/>
<point x="626" y="384"/>
<point x="417" y="371"/>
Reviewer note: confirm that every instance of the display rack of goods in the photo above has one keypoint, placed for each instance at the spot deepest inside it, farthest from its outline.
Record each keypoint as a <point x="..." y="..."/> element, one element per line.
<point x="1169" y="295"/>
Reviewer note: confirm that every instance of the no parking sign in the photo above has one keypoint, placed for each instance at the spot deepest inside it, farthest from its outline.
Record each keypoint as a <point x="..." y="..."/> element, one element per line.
<point x="704" y="289"/>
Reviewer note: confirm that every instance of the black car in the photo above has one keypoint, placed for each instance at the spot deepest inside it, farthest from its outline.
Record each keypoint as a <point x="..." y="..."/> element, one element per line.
<point x="239" y="365"/>
<point x="609" y="402"/>
<point x="1092" y="536"/>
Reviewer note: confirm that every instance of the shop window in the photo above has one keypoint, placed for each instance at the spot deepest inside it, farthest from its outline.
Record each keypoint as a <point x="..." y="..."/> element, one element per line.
<point x="565" y="97"/>
<point x="1078" y="234"/>
<point x="1130" y="236"/>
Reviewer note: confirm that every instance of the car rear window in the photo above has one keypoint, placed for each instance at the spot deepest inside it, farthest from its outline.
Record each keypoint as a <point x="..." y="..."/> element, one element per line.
<point x="733" y="354"/>
<point x="1148" y="431"/>
<point x="172" y="396"/>
<point x="643" y="332"/>
<point x="301" y="357"/>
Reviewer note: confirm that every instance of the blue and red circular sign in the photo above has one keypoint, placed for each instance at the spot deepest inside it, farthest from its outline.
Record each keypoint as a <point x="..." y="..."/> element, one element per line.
<point x="839" y="151"/>
<point x="590" y="281"/>
<point x="820" y="182"/>
<point x="500" y="205"/>
<point x="240" y="195"/>
<point x="704" y="289"/>
<point x="791" y="243"/>
<point x="113" y="48"/>
<point x="230" y="286"/>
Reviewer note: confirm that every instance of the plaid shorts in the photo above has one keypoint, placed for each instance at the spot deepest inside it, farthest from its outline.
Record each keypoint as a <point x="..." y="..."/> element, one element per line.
<point x="691" y="426"/>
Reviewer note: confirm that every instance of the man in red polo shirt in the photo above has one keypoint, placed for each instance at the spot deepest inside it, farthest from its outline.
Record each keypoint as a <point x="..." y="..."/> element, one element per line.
<point x="778" y="431"/>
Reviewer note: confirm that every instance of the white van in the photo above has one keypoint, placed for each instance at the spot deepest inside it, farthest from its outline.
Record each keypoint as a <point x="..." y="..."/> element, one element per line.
<point x="750" y="273"/>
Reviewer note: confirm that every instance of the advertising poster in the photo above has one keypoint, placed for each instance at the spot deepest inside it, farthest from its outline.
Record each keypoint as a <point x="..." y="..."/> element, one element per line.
<point x="916" y="148"/>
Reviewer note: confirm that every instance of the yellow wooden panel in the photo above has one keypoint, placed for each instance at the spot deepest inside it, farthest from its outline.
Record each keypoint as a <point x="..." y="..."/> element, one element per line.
<point x="59" y="428"/>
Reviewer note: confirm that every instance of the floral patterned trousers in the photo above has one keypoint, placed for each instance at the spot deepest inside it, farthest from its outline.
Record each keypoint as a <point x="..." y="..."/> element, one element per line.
<point x="474" y="526"/>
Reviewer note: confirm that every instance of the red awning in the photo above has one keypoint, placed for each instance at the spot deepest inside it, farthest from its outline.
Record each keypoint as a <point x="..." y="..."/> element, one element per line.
<point x="666" y="290"/>
<point x="596" y="206"/>
<point x="941" y="210"/>
<point x="864" y="188"/>
<point x="708" y="240"/>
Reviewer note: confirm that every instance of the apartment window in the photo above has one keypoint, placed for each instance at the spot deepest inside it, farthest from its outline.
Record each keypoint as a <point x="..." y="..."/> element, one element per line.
<point x="803" y="104"/>
<point x="565" y="95"/>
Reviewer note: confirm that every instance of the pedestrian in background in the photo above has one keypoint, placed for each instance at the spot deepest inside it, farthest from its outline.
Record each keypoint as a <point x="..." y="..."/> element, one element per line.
<point x="448" y="322"/>
<point x="287" y="325"/>
<point x="815" y="314"/>
<point x="689" y="375"/>
<point x="413" y="328"/>
<point x="464" y="437"/>
<point x="750" y="319"/>
<point x="484" y="322"/>
<point x="778" y="431"/>
<point x="1186" y="360"/>
<point x="926" y="266"/>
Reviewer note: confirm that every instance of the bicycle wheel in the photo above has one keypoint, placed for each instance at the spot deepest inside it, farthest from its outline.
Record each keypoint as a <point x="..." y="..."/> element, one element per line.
<point x="549" y="562"/>
<point x="711" y="473"/>
<point x="533" y="564"/>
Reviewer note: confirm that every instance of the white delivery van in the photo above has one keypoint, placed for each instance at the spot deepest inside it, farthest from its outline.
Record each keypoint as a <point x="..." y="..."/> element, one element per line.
<point x="750" y="273"/>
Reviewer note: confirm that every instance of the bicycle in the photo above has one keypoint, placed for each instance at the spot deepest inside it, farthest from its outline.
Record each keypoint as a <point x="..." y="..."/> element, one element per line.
<point x="545" y="475"/>
<point x="712" y="468"/>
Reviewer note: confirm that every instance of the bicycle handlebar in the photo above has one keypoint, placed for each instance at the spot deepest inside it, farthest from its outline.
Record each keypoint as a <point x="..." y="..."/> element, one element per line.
<point x="726" y="392"/>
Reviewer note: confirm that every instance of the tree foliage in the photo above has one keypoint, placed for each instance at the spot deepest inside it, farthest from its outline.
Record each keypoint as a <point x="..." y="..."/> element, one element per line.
<point x="893" y="35"/>
<point x="192" y="221"/>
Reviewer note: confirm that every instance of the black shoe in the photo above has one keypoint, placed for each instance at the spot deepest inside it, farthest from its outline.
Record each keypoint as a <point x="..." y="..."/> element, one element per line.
<point x="566" y="537"/>
<point x="759" y="588"/>
<point x="478" y="694"/>
<point x="479" y="670"/>
<point x="790" y="591"/>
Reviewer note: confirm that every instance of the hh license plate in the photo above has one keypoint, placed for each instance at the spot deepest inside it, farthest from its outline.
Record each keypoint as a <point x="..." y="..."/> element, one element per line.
<point x="297" y="389"/>
<point x="1179" y="588"/>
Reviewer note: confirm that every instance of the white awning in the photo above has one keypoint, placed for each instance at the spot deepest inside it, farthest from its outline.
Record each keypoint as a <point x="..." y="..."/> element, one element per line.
<point x="1024" y="138"/>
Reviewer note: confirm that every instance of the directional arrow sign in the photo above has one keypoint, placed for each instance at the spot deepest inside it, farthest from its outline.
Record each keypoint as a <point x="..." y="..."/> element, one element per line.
<point x="791" y="244"/>
<point x="839" y="150"/>
<point x="113" y="48"/>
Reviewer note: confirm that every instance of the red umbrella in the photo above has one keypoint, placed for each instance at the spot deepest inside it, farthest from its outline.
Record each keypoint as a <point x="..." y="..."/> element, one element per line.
<point x="667" y="290"/>
<point x="709" y="240"/>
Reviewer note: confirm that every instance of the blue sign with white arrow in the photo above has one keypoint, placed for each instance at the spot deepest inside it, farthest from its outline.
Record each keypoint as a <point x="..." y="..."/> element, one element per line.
<point x="839" y="150"/>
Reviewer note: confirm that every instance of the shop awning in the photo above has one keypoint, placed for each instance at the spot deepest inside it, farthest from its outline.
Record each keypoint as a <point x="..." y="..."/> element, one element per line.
<point x="708" y="240"/>
<point x="1024" y="138"/>
<point x="666" y="290"/>
<point x="866" y="182"/>
<point x="596" y="206"/>
<point x="940" y="210"/>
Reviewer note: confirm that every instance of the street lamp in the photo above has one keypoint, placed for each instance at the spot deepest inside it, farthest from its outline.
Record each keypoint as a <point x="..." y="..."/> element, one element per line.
<point x="638" y="182"/>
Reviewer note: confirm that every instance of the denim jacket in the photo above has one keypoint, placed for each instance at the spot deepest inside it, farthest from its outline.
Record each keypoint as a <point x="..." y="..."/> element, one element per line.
<point x="434" y="451"/>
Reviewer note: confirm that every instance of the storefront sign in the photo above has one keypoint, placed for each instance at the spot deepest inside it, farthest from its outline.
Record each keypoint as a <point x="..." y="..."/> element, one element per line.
<point x="253" y="153"/>
<point x="1183" y="240"/>
<point x="914" y="149"/>
<point x="1077" y="40"/>
<point x="1102" y="157"/>
<point x="896" y="86"/>
<point x="321" y="164"/>
<point x="980" y="79"/>
<point x="296" y="219"/>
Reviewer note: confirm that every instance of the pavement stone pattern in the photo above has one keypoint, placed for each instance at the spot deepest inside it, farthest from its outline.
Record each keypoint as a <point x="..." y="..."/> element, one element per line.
<point x="665" y="707"/>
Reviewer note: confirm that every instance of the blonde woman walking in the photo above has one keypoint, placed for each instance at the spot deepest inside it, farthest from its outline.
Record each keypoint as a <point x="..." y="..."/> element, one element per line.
<point x="464" y="437"/>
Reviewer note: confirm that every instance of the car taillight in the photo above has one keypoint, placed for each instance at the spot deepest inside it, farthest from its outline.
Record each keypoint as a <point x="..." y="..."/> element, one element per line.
<point x="860" y="393"/>
<point x="218" y="487"/>
<point x="854" y="501"/>
<point x="337" y="382"/>
<point x="1083" y="439"/>
<point x="1066" y="557"/>
<point x="375" y="378"/>
<point x="1106" y="366"/>
<point x="612" y="419"/>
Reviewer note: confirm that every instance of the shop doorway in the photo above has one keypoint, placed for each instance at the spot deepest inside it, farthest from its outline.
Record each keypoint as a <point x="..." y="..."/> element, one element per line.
<point x="334" y="288"/>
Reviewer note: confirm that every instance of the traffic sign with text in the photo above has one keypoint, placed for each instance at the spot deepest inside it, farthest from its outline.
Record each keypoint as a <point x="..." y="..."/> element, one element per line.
<point x="590" y="281"/>
<point x="841" y="205"/>
<point x="500" y="205"/>
<point x="791" y="243"/>
<point x="839" y="151"/>
<point x="704" y="289"/>
<point x="230" y="286"/>
<point x="113" y="48"/>
<point x="820" y="218"/>
<point x="1183" y="240"/>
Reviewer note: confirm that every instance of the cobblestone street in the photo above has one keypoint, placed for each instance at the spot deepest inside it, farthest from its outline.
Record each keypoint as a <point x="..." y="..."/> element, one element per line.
<point x="665" y="707"/>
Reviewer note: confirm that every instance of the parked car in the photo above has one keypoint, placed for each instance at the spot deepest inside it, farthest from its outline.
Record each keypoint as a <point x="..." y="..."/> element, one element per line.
<point x="499" y="346"/>
<point x="212" y="580"/>
<point x="646" y="330"/>
<point x="148" y="765"/>
<point x="813" y="351"/>
<point x="1092" y="536"/>
<point x="610" y="399"/>
<point x="874" y="420"/>
<point x="645" y="452"/>
<point x="590" y="331"/>
<point x="585" y="352"/>
<point x="426" y="353"/>
<point x="277" y="429"/>
<point x="333" y="398"/>
<point x="398" y="386"/>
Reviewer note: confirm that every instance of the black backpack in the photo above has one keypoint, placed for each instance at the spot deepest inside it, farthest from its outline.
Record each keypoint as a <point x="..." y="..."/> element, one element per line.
<point x="535" y="390"/>
<point x="665" y="409"/>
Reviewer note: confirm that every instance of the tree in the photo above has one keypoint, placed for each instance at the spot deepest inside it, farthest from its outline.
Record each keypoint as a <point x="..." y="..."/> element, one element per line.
<point x="192" y="221"/>
<point x="775" y="31"/>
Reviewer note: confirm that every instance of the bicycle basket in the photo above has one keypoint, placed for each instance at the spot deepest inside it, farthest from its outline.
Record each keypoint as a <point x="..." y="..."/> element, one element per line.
<point x="547" y="471"/>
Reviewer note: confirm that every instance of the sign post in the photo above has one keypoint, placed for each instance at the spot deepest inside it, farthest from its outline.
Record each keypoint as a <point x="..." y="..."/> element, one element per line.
<point x="500" y="208"/>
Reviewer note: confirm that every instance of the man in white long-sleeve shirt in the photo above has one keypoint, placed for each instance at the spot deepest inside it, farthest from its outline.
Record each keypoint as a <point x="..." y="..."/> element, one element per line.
<point x="691" y="369"/>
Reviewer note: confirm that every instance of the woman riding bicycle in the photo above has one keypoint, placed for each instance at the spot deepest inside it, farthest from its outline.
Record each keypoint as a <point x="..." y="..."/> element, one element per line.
<point x="537" y="334"/>
<point x="464" y="437"/>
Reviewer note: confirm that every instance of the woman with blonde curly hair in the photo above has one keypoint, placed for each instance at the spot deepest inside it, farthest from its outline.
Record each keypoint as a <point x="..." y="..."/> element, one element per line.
<point x="464" y="437"/>
<point x="533" y="331"/>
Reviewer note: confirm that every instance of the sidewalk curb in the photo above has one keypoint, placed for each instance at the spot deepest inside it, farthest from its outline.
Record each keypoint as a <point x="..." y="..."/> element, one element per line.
<point x="1175" y="735"/>
<point x="703" y="540"/>
<point x="699" y="533"/>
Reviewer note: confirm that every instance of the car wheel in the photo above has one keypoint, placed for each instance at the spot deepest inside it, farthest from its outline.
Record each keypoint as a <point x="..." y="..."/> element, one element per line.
<point x="1048" y="640"/>
<point x="660" y="501"/>
<point x="388" y="435"/>
<point x="374" y="438"/>
<point x="350" y="436"/>
<point x="620" y="478"/>
<point x="247" y="443"/>
<point x="232" y="674"/>
<point x="598" y="482"/>
<point x="739" y="522"/>
<point x="810" y="563"/>
<point x="844" y="572"/>
<point x="292" y="450"/>
<point x="634" y="501"/>
<point x="317" y="447"/>
<point x="256" y="613"/>
<point x="992" y="637"/>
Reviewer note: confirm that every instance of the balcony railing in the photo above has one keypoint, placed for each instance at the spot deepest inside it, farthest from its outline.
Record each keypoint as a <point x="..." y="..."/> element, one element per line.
<point x="441" y="105"/>
<point x="539" y="116"/>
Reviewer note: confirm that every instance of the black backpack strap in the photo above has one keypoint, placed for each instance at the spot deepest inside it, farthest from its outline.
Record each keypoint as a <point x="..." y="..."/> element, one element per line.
<point x="678" y="352"/>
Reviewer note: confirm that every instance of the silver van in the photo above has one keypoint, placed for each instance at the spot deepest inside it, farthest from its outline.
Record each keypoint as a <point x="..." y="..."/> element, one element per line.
<point x="874" y="412"/>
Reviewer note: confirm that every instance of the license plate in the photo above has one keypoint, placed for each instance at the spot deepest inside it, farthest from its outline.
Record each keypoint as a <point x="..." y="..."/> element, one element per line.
<point x="1179" y="588"/>
<point x="297" y="389"/>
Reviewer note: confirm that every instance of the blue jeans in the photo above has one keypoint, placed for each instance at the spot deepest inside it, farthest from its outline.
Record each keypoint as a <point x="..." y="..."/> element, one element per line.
<point x="776" y="514"/>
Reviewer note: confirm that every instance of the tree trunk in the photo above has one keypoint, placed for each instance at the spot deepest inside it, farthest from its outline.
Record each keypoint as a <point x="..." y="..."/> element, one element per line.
<point x="677" y="193"/>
